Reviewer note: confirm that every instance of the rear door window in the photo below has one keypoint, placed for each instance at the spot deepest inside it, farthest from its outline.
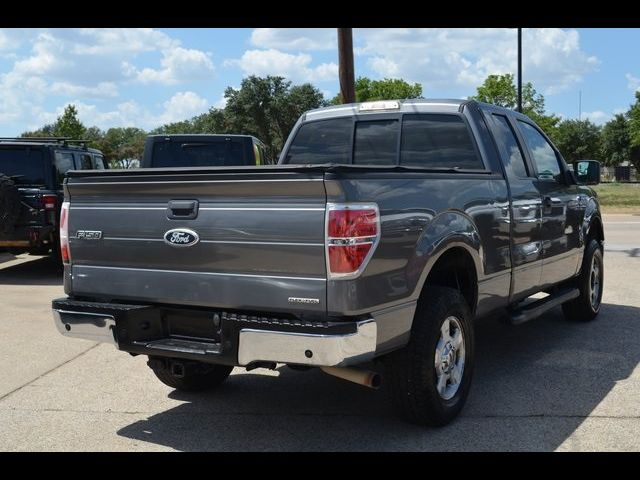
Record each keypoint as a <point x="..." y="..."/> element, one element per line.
<point x="437" y="141"/>
<point x="85" y="162"/>
<point x="64" y="163"/>
<point x="99" y="162"/>
<point x="25" y="164"/>
<point x="510" y="146"/>
<point x="324" y="141"/>
<point x="376" y="143"/>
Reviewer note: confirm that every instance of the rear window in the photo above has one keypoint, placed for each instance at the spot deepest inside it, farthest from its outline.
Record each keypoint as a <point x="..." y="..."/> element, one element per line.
<point x="325" y="141"/>
<point x="437" y="141"/>
<point x="24" y="164"/>
<point x="199" y="154"/>
<point x="427" y="140"/>
<point x="376" y="143"/>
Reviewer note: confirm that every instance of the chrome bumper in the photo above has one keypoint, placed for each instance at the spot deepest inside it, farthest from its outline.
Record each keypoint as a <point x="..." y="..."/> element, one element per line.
<point x="307" y="348"/>
<point x="90" y="326"/>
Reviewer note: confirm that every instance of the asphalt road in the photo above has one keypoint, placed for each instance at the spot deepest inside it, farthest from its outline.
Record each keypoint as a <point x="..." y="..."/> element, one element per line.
<point x="545" y="385"/>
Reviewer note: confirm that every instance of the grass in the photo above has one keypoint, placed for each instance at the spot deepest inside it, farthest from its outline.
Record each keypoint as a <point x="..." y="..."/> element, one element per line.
<point x="619" y="197"/>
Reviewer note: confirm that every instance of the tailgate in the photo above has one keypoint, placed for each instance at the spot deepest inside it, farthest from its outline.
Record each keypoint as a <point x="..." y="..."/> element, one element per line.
<point x="261" y="239"/>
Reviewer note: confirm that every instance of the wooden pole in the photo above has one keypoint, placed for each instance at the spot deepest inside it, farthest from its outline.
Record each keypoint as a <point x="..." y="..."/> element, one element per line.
<point x="345" y="69"/>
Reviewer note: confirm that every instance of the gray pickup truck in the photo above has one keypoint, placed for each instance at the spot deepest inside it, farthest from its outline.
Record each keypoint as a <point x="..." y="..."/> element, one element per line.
<point x="385" y="230"/>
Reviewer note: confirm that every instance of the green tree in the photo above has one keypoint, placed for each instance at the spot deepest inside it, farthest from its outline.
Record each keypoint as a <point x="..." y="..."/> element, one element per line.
<point x="501" y="90"/>
<point x="616" y="141"/>
<point x="578" y="140"/>
<point x="123" y="147"/>
<point x="68" y="124"/>
<point x="46" y="131"/>
<point x="386" y="89"/>
<point x="633" y="115"/>
<point x="268" y="107"/>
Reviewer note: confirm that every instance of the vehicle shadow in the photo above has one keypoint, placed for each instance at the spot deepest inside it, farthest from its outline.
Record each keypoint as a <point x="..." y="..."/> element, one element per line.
<point x="39" y="271"/>
<point x="534" y="385"/>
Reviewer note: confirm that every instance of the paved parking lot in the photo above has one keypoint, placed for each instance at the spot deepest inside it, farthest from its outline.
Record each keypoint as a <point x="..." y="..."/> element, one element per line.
<point x="545" y="385"/>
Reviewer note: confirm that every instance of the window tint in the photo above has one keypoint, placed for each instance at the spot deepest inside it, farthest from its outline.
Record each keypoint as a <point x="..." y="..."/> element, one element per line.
<point x="376" y="143"/>
<point x="99" y="161"/>
<point x="85" y="162"/>
<point x="325" y="141"/>
<point x="543" y="154"/>
<point x="64" y="163"/>
<point x="510" y="147"/>
<point x="198" y="154"/>
<point x="434" y="141"/>
<point x="24" y="164"/>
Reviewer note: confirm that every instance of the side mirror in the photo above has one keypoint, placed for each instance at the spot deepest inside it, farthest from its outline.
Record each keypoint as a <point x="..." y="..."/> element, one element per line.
<point x="587" y="172"/>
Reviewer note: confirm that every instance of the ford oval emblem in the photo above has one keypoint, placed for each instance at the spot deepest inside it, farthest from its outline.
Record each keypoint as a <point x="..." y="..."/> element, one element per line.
<point x="181" y="237"/>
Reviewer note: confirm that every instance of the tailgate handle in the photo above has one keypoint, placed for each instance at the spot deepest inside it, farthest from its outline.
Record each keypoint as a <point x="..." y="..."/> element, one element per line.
<point x="182" y="209"/>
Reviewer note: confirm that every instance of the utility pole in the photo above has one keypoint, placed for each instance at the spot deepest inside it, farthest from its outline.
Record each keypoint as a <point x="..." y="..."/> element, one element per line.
<point x="580" y="105"/>
<point x="345" y="68"/>
<point x="520" y="70"/>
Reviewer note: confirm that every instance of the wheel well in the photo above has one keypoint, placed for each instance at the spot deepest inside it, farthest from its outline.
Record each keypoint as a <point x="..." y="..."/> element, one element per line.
<point x="455" y="269"/>
<point x="596" y="231"/>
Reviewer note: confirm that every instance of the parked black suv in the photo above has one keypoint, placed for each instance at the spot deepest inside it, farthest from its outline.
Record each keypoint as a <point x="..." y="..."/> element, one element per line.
<point x="203" y="150"/>
<point x="31" y="174"/>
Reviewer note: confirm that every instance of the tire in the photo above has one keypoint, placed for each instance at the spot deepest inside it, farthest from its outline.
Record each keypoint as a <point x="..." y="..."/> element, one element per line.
<point x="10" y="205"/>
<point x="590" y="282"/>
<point x="413" y="374"/>
<point x="197" y="376"/>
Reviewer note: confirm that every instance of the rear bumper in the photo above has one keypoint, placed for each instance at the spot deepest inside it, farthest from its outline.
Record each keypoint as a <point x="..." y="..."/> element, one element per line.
<point x="217" y="337"/>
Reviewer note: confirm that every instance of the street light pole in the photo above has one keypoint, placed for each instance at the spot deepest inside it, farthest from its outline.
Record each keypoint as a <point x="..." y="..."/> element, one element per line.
<point x="520" y="70"/>
<point x="345" y="66"/>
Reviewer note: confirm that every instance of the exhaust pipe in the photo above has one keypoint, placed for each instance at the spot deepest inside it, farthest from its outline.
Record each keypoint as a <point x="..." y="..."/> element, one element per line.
<point x="365" y="378"/>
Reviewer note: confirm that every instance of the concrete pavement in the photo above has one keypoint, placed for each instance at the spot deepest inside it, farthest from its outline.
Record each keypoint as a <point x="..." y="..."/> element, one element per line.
<point x="545" y="385"/>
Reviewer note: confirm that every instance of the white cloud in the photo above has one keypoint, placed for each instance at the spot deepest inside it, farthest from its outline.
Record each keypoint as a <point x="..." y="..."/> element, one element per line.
<point x="179" y="107"/>
<point x="633" y="82"/>
<point x="103" y="89"/>
<point x="452" y="59"/>
<point x="598" y="117"/>
<point x="177" y="65"/>
<point x="293" y="67"/>
<point x="295" y="38"/>
<point x="83" y="65"/>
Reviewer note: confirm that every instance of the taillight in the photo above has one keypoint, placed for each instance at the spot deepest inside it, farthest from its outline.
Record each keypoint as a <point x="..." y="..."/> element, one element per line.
<point x="64" y="232"/>
<point x="49" y="202"/>
<point x="352" y="234"/>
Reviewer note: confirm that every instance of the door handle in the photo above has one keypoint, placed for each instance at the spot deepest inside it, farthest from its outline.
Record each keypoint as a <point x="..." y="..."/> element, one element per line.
<point x="182" y="209"/>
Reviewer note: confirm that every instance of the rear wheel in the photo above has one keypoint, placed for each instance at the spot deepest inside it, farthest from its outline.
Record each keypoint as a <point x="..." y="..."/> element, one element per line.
<point x="431" y="376"/>
<point x="590" y="282"/>
<point x="189" y="376"/>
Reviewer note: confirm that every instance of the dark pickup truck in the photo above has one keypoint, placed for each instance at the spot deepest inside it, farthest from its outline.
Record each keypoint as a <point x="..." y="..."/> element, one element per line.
<point x="386" y="229"/>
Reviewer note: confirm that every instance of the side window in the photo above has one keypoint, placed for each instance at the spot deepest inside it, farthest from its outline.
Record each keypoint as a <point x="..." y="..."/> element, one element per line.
<point x="543" y="154"/>
<point x="85" y="161"/>
<point x="437" y="141"/>
<point x="324" y="141"/>
<point x="376" y="143"/>
<point x="63" y="163"/>
<point x="510" y="147"/>
<point x="99" y="162"/>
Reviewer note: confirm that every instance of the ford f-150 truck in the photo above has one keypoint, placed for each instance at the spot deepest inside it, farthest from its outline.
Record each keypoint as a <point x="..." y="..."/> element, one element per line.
<point x="385" y="230"/>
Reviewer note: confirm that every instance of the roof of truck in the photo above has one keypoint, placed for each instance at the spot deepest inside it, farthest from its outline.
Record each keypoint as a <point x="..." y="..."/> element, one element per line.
<point x="414" y="105"/>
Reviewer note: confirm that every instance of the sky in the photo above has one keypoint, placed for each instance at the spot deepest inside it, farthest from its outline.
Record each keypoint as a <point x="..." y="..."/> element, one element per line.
<point x="149" y="77"/>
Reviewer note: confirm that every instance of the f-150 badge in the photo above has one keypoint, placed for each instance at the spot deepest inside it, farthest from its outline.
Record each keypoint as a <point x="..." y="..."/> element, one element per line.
<point x="181" y="237"/>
